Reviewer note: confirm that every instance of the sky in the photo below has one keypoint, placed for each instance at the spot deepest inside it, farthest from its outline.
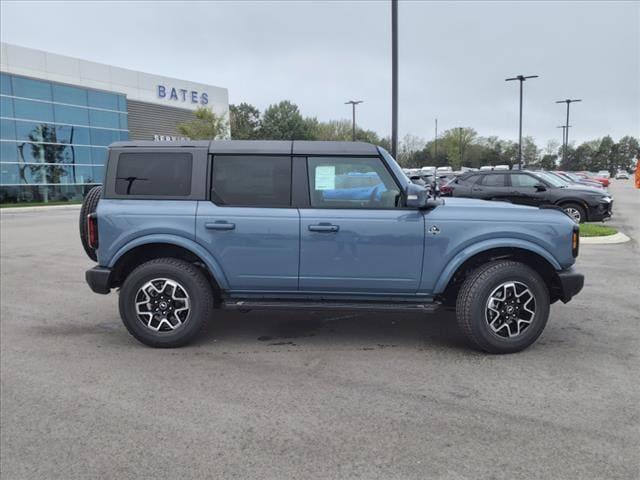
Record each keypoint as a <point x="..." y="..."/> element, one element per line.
<point x="453" y="57"/>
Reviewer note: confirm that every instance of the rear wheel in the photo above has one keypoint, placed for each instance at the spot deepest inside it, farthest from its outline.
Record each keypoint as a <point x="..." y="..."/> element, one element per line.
<point x="576" y="212"/>
<point x="89" y="205"/>
<point x="165" y="302"/>
<point x="502" y="307"/>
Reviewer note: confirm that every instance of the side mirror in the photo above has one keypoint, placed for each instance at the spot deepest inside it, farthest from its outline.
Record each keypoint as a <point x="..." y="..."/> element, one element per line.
<point x="416" y="196"/>
<point x="540" y="187"/>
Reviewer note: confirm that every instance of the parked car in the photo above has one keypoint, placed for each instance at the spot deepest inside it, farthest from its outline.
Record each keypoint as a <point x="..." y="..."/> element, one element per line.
<point x="572" y="178"/>
<point x="622" y="175"/>
<point x="536" y="188"/>
<point x="501" y="167"/>
<point x="181" y="230"/>
<point x="603" y="181"/>
<point x="604" y="174"/>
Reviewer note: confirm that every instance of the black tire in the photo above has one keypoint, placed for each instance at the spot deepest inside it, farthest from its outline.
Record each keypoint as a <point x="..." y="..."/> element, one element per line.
<point x="471" y="307"/>
<point x="190" y="278"/>
<point x="575" y="209"/>
<point x="89" y="205"/>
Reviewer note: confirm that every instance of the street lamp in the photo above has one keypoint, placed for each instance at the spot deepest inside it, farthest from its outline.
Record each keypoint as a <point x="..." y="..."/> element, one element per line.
<point x="353" y="104"/>
<point x="566" y="132"/>
<point x="394" y="77"/>
<point x="522" y="79"/>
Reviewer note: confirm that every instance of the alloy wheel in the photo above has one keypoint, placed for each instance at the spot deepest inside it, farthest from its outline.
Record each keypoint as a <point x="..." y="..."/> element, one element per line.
<point x="162" y="305"/>
<point x="510" y="309"/>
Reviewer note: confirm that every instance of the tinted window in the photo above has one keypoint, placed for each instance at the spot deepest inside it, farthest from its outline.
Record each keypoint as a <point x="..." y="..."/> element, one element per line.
<point x="103" y="100"/>
<point x="351" y="183"/>
<point x="67" y="94"/>
<point x="470" y="178"/>
<point x="28" y="88"/>
<point x="33" y="110"/>
<point x="493" y="180"/>
<point x="6" y="107"/>
<point x="521" y="180"/>
<point x="7" y="129"/>
<point x="101" y="118"/>
<point x="252" y="181"/>
<point x="5" y="84"/>
<point x="73" y="115"/>
<point x="158" y="174"/>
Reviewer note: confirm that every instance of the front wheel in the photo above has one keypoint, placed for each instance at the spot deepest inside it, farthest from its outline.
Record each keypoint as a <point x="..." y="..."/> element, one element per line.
<point x="576" y="212"/>
<point x="165" y="302"/>
<point x="502" y="307"/>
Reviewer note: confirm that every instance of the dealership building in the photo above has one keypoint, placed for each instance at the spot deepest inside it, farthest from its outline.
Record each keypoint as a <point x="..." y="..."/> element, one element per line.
<point x="58" y="114"/>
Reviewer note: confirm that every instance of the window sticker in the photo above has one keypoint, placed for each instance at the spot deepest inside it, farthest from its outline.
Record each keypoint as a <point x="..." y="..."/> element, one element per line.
<point x="326" y="177"/>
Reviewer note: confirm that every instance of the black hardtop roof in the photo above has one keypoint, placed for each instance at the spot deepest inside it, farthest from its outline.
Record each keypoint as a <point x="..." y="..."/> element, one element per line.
<point x="255" y="147"/>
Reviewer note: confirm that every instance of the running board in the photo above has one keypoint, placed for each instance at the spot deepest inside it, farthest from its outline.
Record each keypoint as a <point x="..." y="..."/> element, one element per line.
<point x="232" y="304"/>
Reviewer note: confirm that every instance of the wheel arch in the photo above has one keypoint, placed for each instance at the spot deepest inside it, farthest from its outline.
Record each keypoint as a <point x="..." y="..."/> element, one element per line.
<point x="582" y="203"/>
<point x="142" y="250"/>
<point x="540" y="261"/>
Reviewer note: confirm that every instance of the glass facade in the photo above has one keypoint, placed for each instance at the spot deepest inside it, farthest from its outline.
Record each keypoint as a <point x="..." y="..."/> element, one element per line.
<point x="54" y="138"/>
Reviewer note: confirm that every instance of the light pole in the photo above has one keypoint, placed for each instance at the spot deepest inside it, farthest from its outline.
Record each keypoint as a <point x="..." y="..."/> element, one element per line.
<point x="566" y="131"/>
<point x="435" y="153"/>
<point x="353" y="104"/>
<point x="394" y="77"/>
<point x="522" y="79"/>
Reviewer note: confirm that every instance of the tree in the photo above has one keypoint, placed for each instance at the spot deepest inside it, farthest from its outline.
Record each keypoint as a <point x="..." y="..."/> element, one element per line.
<point x="244" y="122"/>
<point x="627" y="149"/>
<point x="455" y="142"/>
<point x="530" y="151"/>
<point x="283" y="121"/>
<point x="409" y="145"/>
<point x="206" y="126"/>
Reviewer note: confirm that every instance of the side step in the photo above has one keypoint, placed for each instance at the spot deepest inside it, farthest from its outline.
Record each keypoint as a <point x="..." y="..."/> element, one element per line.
<point x="233" y="304"/>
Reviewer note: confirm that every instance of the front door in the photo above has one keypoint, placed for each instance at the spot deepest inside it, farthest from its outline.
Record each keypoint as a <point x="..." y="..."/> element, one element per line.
<point x="356" y="237"/>
<point x="525" y="189"/>
<point x="249" y="226"/>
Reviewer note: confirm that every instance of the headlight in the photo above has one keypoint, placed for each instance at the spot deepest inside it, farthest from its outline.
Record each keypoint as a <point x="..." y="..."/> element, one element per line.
<point x="606" y="199"/>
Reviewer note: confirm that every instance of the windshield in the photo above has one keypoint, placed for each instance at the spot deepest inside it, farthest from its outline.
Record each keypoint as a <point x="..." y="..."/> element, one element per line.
<point x="554" y="180"/>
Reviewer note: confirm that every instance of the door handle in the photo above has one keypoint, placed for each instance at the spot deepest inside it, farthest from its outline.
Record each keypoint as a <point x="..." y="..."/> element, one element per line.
<point x="324" y="228"/>
<point x="220" y="226"/>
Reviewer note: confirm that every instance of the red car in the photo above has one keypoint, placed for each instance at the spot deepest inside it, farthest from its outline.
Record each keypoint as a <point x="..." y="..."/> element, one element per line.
<point x="604" y="181"/>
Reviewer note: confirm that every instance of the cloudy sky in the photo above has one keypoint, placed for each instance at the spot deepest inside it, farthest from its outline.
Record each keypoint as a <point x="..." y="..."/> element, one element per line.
<point x="454" y="57"/>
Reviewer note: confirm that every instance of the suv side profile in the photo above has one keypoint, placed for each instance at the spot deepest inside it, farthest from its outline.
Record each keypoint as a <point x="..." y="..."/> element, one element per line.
<point x="183" y="229"/>
<point x="581" y="202"/>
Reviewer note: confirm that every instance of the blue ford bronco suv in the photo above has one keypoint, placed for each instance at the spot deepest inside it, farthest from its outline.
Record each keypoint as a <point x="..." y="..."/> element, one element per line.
<point x="183" y="229"/>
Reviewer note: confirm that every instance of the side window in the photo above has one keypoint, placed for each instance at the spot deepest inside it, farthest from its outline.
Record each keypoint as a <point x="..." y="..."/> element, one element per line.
<point x="494" y="180"/>
<point x="161" y="174"/>
<point x="521" y="180"/>
<point x="343" y="182"/>
<point x="251" y="181"/>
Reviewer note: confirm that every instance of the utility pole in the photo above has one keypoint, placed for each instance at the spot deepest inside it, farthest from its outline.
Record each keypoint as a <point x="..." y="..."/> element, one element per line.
<point x="460" y="144"/>
<point x="566" y="131"/>
<point x="394" y="77"/>
<point x="353" y="104"/>
<point x="435" y="154"/>
<point x="522" y="79"/>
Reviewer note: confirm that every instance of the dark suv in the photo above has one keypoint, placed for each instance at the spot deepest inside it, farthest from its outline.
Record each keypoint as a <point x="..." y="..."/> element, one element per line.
<point x="582" y="203"/>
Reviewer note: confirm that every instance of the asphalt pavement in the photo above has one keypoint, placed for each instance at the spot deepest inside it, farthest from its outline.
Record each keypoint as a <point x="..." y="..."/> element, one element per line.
<point x="296" y="395"/>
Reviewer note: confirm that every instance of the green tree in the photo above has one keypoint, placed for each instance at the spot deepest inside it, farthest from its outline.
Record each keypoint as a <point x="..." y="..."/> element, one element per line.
<point x="283" y="121"/>
<point x="626" y="150"/>
<point x="244" y="122"/>
<point x="207" y="125"/>
<point x="530" y="151"/>
<point x="455" y="142"/>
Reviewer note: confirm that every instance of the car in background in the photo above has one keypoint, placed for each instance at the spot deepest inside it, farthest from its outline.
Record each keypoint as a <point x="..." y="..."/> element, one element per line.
<point x="581" y="203"/>
<point x="589" y="176"/>
<point x="501" y="167"/>
<point x="604" y="174"/>
<point x="622" y="175"/>
<point x="485" y="168"/>
<point x="573" y="178"/>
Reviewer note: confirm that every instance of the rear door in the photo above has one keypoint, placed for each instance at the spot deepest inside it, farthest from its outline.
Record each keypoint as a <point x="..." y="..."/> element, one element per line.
<point x="356" y="237"/>
<point x="491" y="186"/>
<point x="249" y="225"/>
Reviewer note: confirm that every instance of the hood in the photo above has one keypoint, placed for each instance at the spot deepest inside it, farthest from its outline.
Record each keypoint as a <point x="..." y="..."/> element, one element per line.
<point x="458" y="208"/>
<point x="586" y="188"/>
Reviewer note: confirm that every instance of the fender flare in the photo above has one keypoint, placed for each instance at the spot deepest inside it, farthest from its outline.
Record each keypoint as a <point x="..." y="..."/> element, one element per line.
<point x="212" y="264"/>
<point x="476" y="248"/>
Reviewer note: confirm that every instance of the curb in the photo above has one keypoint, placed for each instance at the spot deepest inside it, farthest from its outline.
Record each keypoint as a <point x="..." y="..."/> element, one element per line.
<point x="43" y="208"/>
<point x="608" y="239"/>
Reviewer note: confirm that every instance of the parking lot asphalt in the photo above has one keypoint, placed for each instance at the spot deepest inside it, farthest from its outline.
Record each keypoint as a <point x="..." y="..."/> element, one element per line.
<point x="311" y="395"/>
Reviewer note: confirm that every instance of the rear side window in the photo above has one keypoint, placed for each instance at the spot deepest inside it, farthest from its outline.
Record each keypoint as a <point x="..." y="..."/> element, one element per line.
<point x="494" y="180"/>
<point x="252" y="181"/>
<point x="162" y="174"/>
